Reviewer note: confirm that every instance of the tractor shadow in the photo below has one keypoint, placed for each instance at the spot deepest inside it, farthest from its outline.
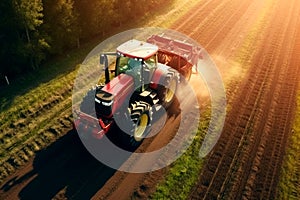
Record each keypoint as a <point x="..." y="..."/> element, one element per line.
<point x="65" y="170"/>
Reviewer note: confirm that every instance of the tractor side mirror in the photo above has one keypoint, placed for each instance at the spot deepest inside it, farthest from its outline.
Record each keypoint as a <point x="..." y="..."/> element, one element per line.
<point x="102" y="58"/>
<point x="146" y="74"/>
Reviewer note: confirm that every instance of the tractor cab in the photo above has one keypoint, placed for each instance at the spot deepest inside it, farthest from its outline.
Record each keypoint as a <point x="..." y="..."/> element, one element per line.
<point x="137" y="59"/>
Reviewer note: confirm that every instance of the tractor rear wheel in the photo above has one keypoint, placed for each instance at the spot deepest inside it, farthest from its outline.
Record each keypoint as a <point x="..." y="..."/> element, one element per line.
<point x="167" y="91"/>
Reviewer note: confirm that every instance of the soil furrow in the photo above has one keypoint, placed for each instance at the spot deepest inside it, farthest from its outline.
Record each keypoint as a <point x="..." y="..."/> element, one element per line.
<point x="239" y="126"/>
<point x="261" y="118"/>
<point x="192" y="19"/>
<point x="285" y="110"/>
<point x="265" y="135"/>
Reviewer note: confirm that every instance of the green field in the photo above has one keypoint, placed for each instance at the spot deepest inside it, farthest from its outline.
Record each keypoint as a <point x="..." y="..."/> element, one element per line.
<point x="289" y="186"/>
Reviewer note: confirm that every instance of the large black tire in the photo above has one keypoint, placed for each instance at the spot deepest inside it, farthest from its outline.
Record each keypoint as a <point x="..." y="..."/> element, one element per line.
<point x="166" y="91"/>
<point x="140" y="113"/>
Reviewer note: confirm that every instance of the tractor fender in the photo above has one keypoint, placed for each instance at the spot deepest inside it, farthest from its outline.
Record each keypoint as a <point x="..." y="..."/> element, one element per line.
<point x="159" y="75"/>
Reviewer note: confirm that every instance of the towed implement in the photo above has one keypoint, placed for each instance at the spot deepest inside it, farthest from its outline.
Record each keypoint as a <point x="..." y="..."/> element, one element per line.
<point x="144" y="77"/>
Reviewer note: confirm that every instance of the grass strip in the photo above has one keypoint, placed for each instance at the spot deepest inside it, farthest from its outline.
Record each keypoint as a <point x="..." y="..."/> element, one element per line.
<point x="184" y="172"/>
<point x="289" y="184"/>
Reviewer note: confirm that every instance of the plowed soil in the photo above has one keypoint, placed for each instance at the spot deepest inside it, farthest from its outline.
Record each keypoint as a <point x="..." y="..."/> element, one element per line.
<point x="256" y="45"/>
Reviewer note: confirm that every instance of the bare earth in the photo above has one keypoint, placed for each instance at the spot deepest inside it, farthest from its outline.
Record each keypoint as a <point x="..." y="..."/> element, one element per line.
<point x="261" y="85"/>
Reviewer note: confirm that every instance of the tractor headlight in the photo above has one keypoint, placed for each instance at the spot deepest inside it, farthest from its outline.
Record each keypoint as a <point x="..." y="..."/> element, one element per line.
<point x="103" y="104"/>
<point x="97" y="100"/>
<point x="107" y="103"/>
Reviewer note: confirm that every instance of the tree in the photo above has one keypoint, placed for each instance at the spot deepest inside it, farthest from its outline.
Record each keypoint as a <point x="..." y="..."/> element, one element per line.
<point x="63" y="32"/>
<point x="30" y="14"/>
<point x="84" y="8"/>
<point x="30" y="17"/>
<point x="95" y="16"/>
<point x="8" y="36"/>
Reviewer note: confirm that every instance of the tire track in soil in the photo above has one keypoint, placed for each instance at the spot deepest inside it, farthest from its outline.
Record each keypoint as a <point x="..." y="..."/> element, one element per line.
<point x="263" y="139"/>
<point x="190" y="20"/>
<point x="210" y="23"/>
<point x="268" y="176"/>
<point x="246" y="165"/>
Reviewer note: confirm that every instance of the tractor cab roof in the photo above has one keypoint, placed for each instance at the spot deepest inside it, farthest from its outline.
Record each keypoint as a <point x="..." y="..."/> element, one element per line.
<point x="137" y="49"/>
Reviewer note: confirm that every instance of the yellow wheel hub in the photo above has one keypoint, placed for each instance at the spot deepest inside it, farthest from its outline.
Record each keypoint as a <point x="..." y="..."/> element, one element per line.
<point x="170" y="91"/>
<point x="141" y="127"/>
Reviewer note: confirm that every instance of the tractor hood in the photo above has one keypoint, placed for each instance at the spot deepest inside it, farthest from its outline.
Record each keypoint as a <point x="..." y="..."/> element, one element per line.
<point x="113" y="94"/>
<point x="118" y="84"/>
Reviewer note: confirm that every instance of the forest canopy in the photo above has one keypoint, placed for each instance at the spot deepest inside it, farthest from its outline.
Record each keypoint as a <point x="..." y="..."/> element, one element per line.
<point x="34" y="30"/>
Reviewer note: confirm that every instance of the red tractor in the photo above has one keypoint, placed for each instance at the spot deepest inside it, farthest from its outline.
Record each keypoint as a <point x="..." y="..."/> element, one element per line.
<point x="144" y="76"/>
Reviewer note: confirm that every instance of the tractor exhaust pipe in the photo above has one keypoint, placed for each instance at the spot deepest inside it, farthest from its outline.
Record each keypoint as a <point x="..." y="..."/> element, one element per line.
<point x="104" y="60"/>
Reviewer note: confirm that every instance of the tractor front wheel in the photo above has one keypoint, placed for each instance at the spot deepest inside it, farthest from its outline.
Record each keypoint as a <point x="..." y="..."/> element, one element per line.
<point x="140" y="113"/>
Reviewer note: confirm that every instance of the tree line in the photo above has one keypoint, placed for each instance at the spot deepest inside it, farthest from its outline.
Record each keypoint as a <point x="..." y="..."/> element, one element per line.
<point x="33" y="30"/>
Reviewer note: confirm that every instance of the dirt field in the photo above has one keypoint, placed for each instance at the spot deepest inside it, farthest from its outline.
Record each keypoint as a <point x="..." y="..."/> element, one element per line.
<point x="256" y="45"/>
<point x="246" y="162"/>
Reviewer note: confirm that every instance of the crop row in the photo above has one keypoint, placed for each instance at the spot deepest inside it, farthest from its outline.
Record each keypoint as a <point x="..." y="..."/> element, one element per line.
<point x="33" y="121"/>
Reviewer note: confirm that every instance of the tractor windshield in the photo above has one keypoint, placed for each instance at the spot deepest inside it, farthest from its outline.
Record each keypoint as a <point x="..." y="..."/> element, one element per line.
<point x="151" y="62"/>
<point x="131" y="67"/>
<point x="127" y="65"/>
<point x="122" y="64"/>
